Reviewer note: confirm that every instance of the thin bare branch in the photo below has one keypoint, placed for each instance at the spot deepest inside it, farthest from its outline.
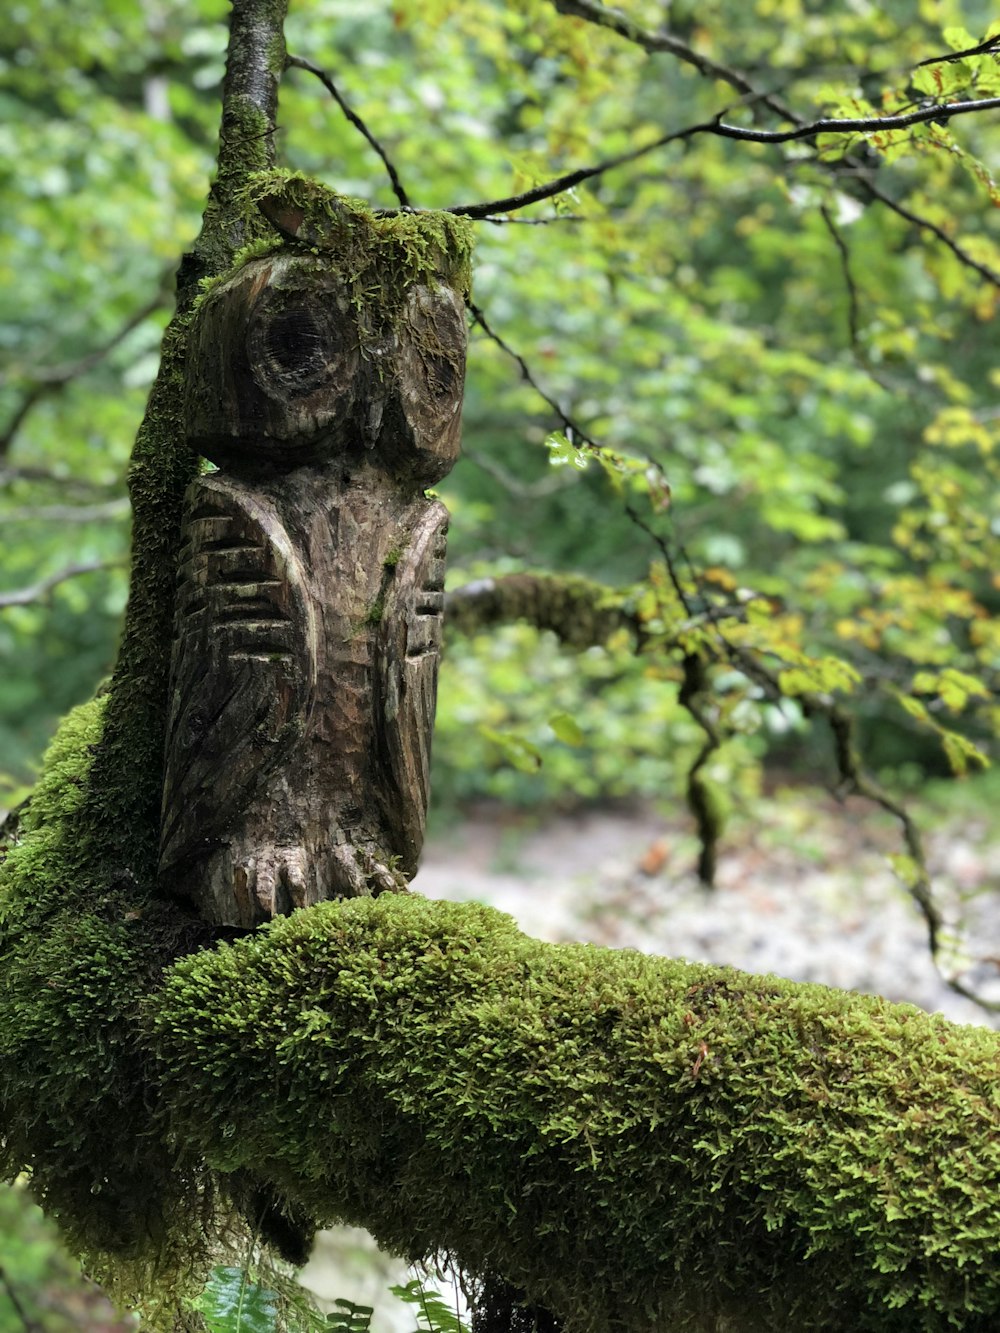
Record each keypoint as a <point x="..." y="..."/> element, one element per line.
<point x="35" y="593"/>
<point x="990" y="47"/>
<point x="565" y="420"/>
<point x="50" y="379"/>
<point x="663" y="42"/>
<point x="717" y="126"/>
<point x="78" y="485"/>
<point x="925" y="224"/>
<point x="298" y="62"/>
<point x="845" y="264"/>
<point x="27" y="1323"/>
<point x="96" y="513"/>
<point x="552" y="482"/>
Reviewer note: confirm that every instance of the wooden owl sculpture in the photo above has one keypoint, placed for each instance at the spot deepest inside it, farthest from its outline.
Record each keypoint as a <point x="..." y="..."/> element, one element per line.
<point x="309" y="598"/>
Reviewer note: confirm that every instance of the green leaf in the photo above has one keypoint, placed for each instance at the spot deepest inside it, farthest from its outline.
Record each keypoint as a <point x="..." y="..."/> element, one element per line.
<point x="567" y="728"/>
<point x="350" y="1318"/>
<point x="231" y="1303"/>
<point x="435" y="1315"/>
<point x="563" y="452"/>
<point x="516" y="750"/>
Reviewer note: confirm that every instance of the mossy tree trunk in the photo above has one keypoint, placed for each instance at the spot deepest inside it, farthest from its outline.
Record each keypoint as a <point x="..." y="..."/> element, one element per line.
<point x="633" y="1143"/>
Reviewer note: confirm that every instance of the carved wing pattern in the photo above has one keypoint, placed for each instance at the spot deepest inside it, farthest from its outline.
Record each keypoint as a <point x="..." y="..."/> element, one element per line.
<point x="408" y="653"/>
<point x="243" y="669"/>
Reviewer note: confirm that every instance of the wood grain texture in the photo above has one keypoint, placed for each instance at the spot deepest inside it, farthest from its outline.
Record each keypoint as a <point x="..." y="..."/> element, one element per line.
<point x="310" y="593"/>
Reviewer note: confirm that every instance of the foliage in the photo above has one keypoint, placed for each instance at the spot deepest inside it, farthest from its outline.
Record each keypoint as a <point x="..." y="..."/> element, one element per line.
<point x="791" y="474"/>
<point x="233" y="1303"/>
<point x="589" y="1119"/>
<point x="797" y="375"/>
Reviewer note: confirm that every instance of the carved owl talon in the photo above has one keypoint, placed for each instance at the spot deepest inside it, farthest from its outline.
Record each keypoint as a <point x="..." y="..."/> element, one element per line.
<point x="277" y="880"/>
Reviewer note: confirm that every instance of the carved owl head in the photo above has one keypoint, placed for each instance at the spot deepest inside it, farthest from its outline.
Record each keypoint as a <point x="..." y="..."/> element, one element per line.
<point x="307" y="355"/>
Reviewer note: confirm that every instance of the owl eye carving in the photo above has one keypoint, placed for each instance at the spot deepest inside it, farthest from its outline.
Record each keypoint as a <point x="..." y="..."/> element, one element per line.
<point x="294" y="349"/>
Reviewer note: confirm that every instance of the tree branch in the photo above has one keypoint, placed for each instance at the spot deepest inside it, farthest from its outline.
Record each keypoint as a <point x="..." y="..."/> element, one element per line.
<point x="51" y="379"/>
<point x="297" y="62"/>
<point x="716" y="126"/>
<point x="663" y="42"/>
<point x="35" y="593"/>
<point x="990" y="47"/>
<point x="613" y="19"/>
<point x="580" y="613"/>
<point x="111" y="509"/>
<point x="845" y="265"/>
<point x="27" y="1323"/>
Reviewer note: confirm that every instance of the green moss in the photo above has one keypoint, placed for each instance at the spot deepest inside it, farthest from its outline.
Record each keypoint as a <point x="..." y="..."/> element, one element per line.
<point x="640" y="1144"/>
<point x="77" y="959"/>
<point x="381" y="254"/>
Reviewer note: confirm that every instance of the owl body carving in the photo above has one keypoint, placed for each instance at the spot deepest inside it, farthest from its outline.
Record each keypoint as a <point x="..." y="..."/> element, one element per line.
<point x="310" y="590"/>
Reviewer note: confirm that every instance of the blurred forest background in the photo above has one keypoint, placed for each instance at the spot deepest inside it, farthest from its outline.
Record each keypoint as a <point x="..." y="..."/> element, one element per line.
<point x="784" y="353"/>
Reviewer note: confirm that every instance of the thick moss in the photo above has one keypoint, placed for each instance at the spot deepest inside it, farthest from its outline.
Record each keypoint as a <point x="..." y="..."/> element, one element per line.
<point x="639" y="1144"/>
<point x="77" y="959"/>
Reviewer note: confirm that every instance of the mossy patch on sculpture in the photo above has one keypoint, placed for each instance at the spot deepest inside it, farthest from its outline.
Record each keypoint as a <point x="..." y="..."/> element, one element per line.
<point x="638" y="1143"/>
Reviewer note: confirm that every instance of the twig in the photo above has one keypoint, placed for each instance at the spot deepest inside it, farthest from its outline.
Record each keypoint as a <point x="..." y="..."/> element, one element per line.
<point x="925" y="224"/>
<point x="53" y="378"/>
<point x="663" y="42"/>
<point x="298" y="62"/>
<point x="111" y="509"/>
<point x="565" y="420"/>
<point x="535" y="222"/>
<point x="30" y="1325"/>
<point x="845" y="264"/>
<point x="81" y="485"/>
<point x="524" y="490"/>
<point x="717" y="126"/>
<point x="990" y="47"/>
<point x="34" y="593"/>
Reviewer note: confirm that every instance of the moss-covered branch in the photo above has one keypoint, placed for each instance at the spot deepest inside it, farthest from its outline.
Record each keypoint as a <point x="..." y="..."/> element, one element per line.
<point x="639" y="1144"/>
<point x="583" y="614"/>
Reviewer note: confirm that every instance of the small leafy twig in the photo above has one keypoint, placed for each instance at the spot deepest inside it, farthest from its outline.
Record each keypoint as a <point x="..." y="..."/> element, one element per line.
<point x="299" y="62"/>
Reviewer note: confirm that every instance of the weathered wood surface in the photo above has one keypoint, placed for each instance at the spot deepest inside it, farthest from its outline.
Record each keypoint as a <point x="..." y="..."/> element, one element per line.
<point x="310" y="590"/>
